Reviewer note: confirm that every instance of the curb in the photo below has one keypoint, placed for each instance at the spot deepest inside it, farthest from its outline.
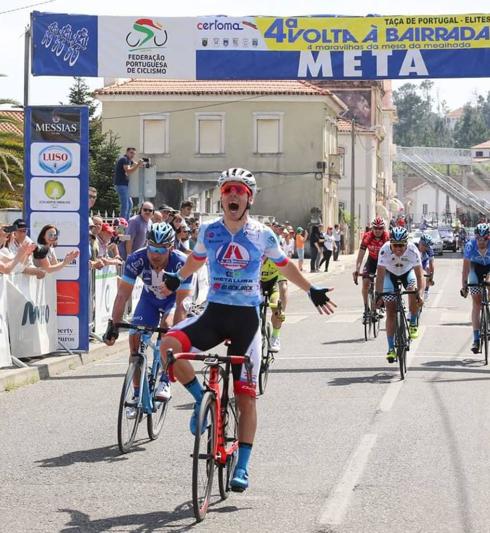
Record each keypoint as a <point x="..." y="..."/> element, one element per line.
<point x="14" y="378"/>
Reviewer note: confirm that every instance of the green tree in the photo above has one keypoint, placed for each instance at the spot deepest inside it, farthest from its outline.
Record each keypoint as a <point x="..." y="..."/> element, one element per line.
<point x="103" y="149"/>
<point x="11" y="163"/>
<point x="471" y="129"/>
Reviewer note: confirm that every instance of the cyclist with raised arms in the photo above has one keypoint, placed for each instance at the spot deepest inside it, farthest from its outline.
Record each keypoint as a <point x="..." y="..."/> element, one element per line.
<point x="372" y="241"/>
<point x="476" y="266"/>
<point x="427" y="256"/>
<point x="399" y="260"/>
<point x="151" y="264"/>
<point x="234" y="246"/>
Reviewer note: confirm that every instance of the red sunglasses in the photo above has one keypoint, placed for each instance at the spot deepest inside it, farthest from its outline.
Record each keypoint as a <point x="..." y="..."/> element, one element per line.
<point x="237" y="188"/>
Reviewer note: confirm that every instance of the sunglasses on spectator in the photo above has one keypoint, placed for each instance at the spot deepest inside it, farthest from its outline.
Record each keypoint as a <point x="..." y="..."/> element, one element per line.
<point x="235" y="188"/>
<point x="52" y="235"/>
<point x="147" y="210"/>
<point x="23" y="230"/>
<point x="92" y="196"/>
<point x="159" y="249"/>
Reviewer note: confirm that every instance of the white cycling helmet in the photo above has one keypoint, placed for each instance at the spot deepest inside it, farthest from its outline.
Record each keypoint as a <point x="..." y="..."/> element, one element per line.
<point x="241" y="175"/>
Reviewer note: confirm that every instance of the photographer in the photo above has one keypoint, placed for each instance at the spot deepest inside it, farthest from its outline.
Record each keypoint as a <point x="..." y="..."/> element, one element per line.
<point x="45" y="255"/>
<point x="125" y="167"/>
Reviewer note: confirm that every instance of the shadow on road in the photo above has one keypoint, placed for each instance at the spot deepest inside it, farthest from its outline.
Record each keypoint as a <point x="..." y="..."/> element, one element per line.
<point x="345" y="341"/>
<point x="141" y="523"/>
<point x="89" y="376"/>
<point x="465" y="363"/>
<point x="106" y="454"/>
<point x="376" y="379"/>
<point x="455" y="324"/>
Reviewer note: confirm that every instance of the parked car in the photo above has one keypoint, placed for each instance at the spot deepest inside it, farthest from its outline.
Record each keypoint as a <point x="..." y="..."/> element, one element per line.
<point x="448" y="238"/>
<point x="437" y="244"/>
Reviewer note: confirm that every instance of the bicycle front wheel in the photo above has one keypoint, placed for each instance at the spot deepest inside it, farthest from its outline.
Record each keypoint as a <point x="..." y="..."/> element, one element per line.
<point x="401" y="345"/>
<point x="203" y="458"/>
<point x="156" y="419"/>
<point x="265" y="360"/>
<point x="230" y="436"/>
<point x="484" y="332"/>
<point x="129" y="415"/>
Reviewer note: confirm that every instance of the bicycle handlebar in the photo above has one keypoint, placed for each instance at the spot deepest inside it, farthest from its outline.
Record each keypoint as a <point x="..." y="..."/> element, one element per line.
<point x="380" y="294"/>
<point x="141" y="328"/>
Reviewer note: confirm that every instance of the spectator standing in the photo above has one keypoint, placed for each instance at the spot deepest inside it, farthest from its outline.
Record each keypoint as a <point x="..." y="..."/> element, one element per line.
<point x="18" y="239"/>
<point x="314" y="247"/>
<point x="186" y="209"/>
<point x="48" y="238"/>
<point x="157" y="217"/>
<point x="165" y="211"/>
<point x="92" y="197"/>
<point x="10" y="262"/>
<point x="288" y="243"/>
<point x="108" y="251"/>
<point x="301" y="236"/>
<point x="193" y="238"/>
<point x="95" y="262"/>
<point x="329" y="246"/>
<point x="125" y="167"/>
<point x="138" y="226"/>
<point x="182" y="243"/>
<point x="337" y="234"/>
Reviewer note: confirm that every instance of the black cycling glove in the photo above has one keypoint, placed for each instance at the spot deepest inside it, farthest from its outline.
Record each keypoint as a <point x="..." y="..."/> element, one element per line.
<point x="318" y="296"/>
<point x="111" y="333"/>
<point x="172" y="281"/>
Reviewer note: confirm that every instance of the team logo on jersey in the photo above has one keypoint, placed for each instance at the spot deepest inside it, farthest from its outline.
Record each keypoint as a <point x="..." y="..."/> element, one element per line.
<point x="233" y="256"/>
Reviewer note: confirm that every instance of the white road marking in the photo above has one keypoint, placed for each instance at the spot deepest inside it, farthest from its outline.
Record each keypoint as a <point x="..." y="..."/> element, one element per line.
<point x="336" y="505"/>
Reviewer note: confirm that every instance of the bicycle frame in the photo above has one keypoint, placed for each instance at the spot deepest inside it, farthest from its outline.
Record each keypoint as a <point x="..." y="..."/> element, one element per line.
<point x="212" y="362"/>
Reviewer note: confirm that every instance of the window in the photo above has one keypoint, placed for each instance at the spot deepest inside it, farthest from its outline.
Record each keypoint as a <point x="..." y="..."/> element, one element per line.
<point x="425" y="209"/>
<point x="210" y="134"/>
<point x="154" y="134"/>
<point x="268" y="133"/>
<point x="341" y="152"/>
<point x="478" y="154"/>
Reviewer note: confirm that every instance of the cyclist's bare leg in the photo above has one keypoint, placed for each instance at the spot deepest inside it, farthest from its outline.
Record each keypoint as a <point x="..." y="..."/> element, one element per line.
<point x="283" y="294"/>
<point x="183" y="370"/>
<point x="475" y="311"/>
<point x="365" y="291"/>
<point x="247" y="422"/>
<point x="134" y="348"/>
<point x="413" y="304"/>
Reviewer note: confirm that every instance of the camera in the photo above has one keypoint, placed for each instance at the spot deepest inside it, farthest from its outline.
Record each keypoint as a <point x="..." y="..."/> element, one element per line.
<point x="146" y="161"/>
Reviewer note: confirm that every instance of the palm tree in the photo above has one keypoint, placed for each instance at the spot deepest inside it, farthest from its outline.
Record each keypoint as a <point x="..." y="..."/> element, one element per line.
<point x="11" y="162"/>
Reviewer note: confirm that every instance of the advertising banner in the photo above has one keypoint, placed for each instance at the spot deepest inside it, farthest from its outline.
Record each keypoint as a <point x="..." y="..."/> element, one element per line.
<point x="32" y="317"/>
<point x="5" y="359"/>
<point x="56" y="192"/>
<point x="315" y="47"/>
<point x="105" y="294"/>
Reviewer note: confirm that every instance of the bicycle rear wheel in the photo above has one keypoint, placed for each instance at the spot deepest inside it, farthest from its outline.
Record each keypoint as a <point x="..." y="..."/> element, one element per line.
<point x="203" y="460"/>
<point x="484" y="332"/>
<point x="401" y="345"/>
<point x="156" y="419"/>
<point x="129" y="416"/>
<point x="230" y="435"/>
<point x="265" y="359"/>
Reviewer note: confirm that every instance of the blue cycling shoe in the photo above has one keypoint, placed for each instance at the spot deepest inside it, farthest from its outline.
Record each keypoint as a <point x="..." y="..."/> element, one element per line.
<point x="194" y="419"/>
<point x="239" y="482"/>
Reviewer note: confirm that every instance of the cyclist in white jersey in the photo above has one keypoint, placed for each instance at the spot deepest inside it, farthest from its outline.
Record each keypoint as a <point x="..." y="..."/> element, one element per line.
<point x="234" y="247"/>
<point x="399" y="260"/>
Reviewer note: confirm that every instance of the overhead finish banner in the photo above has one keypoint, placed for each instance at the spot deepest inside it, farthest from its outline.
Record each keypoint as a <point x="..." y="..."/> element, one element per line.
<point x="316" y="47"/>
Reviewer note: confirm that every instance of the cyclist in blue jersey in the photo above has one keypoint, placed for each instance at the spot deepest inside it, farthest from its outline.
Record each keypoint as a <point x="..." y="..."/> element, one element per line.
<point x="427" y="256"/>
<point x="151" y="264"/>
<point x="476" y="266"/>
<point x="234" y="246"/>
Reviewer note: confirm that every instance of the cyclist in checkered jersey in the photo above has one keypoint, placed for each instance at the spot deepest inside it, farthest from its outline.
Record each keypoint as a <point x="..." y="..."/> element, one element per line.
<point x="234" y="246"/>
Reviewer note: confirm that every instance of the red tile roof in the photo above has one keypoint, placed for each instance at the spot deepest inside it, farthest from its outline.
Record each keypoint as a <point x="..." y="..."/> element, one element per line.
<point x="345" y="126"/>
<point x="485" y="144"/>
<point x="9" y="127"/>
<point x="225" y="87"/>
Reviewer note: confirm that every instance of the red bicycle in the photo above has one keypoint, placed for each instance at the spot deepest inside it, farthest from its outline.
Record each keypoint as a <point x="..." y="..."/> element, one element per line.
<point x="216" y="440"/>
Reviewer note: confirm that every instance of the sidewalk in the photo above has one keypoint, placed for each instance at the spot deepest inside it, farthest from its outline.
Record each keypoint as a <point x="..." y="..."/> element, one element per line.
<point x="46" y="367"/>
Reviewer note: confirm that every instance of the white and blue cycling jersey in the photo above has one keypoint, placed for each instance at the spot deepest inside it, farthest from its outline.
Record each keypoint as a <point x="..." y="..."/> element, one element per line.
<point x="427" y="257"/>
<point x="138" y="264"/>
<point x="235" y="260"/>
<point x="472" y="253"/>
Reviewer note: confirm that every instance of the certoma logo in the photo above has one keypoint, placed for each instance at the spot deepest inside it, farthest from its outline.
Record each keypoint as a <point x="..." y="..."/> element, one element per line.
<point x="146" y="34"/>
<point x="224" y="25"/>
<point x="233" y="256"/>
<point x="35" y="314"/>
<point x="55" y="159"/>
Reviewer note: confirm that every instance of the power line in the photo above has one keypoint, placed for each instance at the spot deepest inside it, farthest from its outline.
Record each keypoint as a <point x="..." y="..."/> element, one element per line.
<point x="26" y="7"/>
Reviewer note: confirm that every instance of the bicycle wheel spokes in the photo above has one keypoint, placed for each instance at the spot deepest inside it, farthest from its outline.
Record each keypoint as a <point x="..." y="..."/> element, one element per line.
<point x="484" y="332"/>
<point x="129" y="414"/>
<point x="156" y="419"/>
<point x="230" y="435"/>
<point x="265" y="360"/>
<point x="203" y="460"/>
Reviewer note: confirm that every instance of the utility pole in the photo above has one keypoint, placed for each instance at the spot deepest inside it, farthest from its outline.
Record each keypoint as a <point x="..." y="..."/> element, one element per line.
<point x="27" y="49"/>
<point x="352" y="231"/>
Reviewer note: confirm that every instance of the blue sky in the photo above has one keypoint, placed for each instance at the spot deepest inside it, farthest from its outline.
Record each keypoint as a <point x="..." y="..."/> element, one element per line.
<point x="52" y="90"/>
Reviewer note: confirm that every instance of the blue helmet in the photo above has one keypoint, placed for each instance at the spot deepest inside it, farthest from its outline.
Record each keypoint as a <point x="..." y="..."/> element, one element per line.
<point x="482" y="230"/>
<point x="426" y="239"/>
<point x="399" y="234"/>
<point x="161" y="233"/>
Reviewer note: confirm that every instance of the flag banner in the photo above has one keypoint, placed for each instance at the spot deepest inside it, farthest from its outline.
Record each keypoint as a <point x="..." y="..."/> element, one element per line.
<point x="314" y="47"/>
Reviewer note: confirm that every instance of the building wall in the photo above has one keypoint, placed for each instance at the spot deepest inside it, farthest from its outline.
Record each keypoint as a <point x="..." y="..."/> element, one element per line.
<point x="436" y="202"/>
<point x="288" y="188"/>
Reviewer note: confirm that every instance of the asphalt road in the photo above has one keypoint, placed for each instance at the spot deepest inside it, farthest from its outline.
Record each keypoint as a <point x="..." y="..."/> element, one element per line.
<point x="342" y="444"/>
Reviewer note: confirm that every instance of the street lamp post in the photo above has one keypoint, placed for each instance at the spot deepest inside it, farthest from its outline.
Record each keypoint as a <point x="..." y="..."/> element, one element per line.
<point x="352" y="231"/>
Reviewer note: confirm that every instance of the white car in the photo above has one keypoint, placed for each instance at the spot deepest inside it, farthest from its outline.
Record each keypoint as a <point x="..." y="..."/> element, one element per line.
<point x="437" y="244"/>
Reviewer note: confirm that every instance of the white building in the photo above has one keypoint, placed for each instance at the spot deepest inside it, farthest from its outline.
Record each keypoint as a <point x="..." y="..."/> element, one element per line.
<point x="427" y="202"/>
<point x="481" y="151"/>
